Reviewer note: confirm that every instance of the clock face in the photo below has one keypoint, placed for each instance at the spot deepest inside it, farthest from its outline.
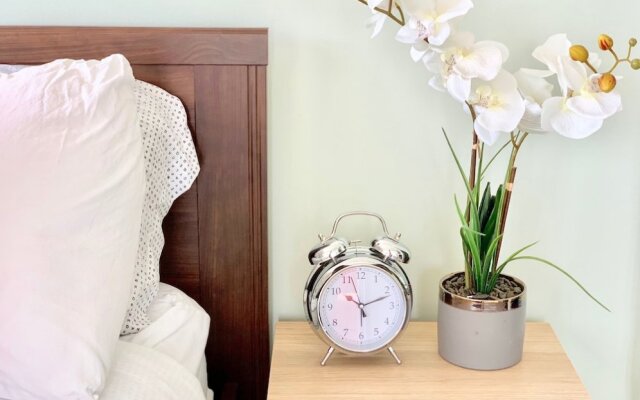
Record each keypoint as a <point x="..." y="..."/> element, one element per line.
<point x="362" y="308"/>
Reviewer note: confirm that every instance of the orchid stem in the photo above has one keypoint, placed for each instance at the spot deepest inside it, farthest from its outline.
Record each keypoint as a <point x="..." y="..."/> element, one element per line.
<point x="473" y="170"/>
<point x="591" y="67"/>
<point x="479" y="177"/>
<point x="619" y="60"/>
<point x="401" y="14"/>
<point x="389" y="12"/>
<point x="503" y="219"/>
<point x="474" y="156"/>
<point x="516" y="141"/>
<point x="614" y="53"/>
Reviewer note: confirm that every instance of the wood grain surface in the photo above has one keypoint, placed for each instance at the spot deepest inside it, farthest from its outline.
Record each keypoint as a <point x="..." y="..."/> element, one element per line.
<point x="545" y="372"/>
<point x="231" y="224"/>
<point x="165" y="46"/>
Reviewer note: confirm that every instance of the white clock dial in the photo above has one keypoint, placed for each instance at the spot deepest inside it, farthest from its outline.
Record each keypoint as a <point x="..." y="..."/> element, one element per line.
<point x="362" y="308"/>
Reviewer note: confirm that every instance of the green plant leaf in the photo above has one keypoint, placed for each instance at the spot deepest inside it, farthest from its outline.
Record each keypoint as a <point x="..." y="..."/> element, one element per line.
<point x="490" y="229"/>
<point x="472" y="248"/>
<point x="485" y="204"/>
<point x="455" y="157"/>
<point x="463" y="221"/>
<point x="469" y="280"/>
<point x="470" y="232"/>
<point x="484" y="169"/>
<point x="513" y="255"/>
<point x="467" y="252"/>
<point x="565" y="273"/>
<point x="501" y="267"/>
<point x="486" y="266"/>
<point x="470" y="192"/>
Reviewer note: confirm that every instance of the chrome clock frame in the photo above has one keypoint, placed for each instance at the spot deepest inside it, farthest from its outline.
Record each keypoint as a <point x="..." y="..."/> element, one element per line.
<point x="334" y="255"/>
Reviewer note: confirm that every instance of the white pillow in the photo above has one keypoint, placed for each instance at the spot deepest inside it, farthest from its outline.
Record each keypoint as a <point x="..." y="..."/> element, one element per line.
<point x="171" y="166"/>
<point x="73" y="181"/>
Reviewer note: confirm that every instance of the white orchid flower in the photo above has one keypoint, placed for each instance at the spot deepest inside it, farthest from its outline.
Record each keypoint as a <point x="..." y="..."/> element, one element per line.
<point x="376" y="22"/>
<point x="552" y="50"/>
<point x="498" y="106"/>
<point x="583" y="107"/>
<point x="536" y="90"/>
<point x="376" y="3"/>
<point x="429" y="20"/>
<point x="462" y="59"/>
<point x="583" y="93"/>
<point x="557" y="117"/>
<point x="377" y="19"/>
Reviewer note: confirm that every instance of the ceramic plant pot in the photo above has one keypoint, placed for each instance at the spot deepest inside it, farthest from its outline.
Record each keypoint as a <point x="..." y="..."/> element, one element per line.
<point x="481" y="334"/>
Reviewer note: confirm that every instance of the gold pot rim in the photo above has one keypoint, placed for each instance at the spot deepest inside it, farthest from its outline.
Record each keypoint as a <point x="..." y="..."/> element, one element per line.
<point x="482" y="305"/>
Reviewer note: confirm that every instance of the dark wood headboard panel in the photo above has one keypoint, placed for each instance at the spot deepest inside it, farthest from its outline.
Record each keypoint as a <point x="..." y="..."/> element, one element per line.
<point x="216" y="233"/>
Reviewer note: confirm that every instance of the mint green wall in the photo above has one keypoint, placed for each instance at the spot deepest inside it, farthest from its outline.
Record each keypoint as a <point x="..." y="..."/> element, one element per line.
<point x="353" y="125"/>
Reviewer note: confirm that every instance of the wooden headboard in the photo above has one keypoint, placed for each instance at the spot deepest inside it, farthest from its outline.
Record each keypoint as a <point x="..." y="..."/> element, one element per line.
<point x="216" y="233"/>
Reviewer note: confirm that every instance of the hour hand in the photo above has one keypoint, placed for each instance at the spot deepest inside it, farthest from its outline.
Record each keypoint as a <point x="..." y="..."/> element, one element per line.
<point x="350" y="298"/>
<point x="360" y="305"/>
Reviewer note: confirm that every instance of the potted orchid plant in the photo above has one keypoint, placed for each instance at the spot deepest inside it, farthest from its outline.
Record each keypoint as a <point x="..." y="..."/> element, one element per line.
<point x="481" y="312"/>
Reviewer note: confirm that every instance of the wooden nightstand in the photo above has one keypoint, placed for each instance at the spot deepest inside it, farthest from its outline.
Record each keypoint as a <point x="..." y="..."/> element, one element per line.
<point x="544" y="373"/>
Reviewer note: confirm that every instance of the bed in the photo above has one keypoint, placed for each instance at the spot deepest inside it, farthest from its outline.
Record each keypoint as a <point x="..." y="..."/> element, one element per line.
<point x="216" y="233"/>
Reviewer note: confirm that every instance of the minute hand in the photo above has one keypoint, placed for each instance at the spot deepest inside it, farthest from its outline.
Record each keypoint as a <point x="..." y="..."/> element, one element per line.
<point x="362" y="313"/>
<point x="378" y="299"/>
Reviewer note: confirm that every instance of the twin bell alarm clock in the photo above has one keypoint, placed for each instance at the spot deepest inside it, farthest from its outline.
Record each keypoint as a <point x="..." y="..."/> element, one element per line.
<point x="358" y="298"/>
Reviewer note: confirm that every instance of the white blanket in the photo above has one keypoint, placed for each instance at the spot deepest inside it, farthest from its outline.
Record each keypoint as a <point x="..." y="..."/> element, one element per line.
<point x="140" y="373"/>
<point x="179" y="328"/>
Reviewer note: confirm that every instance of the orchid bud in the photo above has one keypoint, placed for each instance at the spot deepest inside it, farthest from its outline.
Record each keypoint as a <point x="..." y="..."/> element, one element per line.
<point x="607" y="82"/>
<point x="605" y="42"/>
<point x="633" y="42"/>
<point x="635" y="63"/>
<point x="579" y="53"/>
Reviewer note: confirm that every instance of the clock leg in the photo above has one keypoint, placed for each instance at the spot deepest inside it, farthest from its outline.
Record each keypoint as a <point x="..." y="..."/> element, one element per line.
<point x="394" y="355"/>
<point x="326" y="356"/>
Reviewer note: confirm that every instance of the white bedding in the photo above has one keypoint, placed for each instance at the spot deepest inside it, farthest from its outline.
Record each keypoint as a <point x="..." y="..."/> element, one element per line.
<point x="179" y="329"/>
<point x="141" y="373"/>
<point x="72" y="174"/>
<point x="165" y="360"/>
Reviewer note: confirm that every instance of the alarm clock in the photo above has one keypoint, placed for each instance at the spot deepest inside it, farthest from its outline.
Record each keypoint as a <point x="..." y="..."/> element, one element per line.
<point x="358" y="298"/>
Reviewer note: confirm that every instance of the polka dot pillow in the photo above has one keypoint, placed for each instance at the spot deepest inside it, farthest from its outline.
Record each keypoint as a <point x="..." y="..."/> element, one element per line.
<point x="171" y="166"/>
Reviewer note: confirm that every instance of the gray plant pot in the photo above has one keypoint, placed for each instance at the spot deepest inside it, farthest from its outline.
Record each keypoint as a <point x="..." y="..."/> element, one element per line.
<point x="481" y="334"/>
